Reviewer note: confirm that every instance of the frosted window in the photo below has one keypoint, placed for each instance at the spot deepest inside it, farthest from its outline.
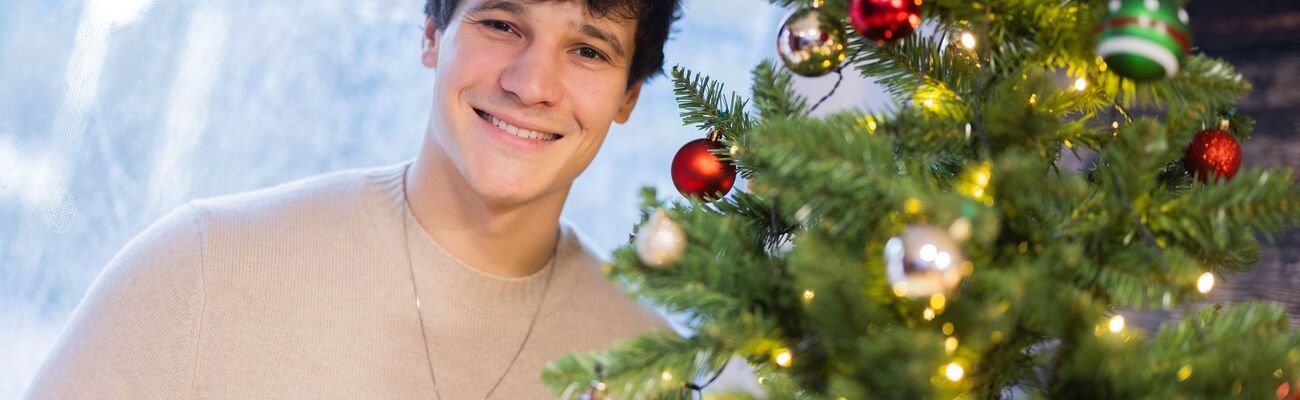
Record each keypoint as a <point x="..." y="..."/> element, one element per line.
<point x="113" y="112"/>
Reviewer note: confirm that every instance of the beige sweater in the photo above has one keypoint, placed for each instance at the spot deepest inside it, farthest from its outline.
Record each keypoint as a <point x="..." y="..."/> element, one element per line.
<point x="303" y="291"/>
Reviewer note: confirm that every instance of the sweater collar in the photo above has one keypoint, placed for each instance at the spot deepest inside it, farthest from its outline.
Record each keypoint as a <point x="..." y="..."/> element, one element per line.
<point x="438" y="273"/>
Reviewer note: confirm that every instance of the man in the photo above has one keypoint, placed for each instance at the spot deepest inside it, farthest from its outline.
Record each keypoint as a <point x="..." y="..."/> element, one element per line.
<point x="445" y="277"/>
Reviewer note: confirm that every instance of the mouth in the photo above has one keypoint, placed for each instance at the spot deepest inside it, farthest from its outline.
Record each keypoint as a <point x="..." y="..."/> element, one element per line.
<point x="517" y="131"/>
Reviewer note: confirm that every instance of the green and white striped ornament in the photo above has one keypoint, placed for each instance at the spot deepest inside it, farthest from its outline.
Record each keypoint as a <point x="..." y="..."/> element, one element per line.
<point x="1144" y="40"/>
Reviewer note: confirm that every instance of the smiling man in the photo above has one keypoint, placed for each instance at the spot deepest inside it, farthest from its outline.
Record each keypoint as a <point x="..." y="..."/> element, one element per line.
<point x="448" y="276"/>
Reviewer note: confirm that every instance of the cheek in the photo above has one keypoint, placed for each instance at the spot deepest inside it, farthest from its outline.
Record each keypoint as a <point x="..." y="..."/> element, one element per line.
<point x="597" y="105"/>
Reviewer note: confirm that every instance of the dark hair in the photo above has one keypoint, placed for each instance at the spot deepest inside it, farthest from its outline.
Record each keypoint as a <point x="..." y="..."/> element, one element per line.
<point x="654" y="18"/>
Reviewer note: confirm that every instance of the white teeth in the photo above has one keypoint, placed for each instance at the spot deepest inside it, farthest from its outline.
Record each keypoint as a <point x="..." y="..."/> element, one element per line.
<point x="521" y="132"/>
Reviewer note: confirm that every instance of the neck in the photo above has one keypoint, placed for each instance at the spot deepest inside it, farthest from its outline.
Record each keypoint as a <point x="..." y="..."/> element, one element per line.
<point x="507" y="240"/>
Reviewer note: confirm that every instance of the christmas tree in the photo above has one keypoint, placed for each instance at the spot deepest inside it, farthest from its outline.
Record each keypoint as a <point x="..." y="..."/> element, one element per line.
<point x="942" y="248"/>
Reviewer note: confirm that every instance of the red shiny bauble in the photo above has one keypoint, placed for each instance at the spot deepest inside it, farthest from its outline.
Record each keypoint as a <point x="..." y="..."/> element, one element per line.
<point x="701" y="174"/>
<point x="1213" y="152"/>
<point x="885" y="20"/>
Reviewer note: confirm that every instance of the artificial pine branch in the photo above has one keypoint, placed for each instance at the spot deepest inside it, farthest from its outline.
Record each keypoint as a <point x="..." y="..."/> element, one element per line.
<point x="795" y="263"/>
<point x="774" y="96"/>
<point x="703" y="105"/>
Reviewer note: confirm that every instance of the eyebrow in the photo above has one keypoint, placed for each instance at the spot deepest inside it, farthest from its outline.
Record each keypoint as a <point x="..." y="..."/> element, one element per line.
<point x="508" y="6"/>
<point x="514" y="8"/>
<point x="603" y="35"/>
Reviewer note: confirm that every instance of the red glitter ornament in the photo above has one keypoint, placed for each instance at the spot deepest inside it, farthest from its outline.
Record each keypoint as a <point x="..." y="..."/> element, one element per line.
<point x="1284" y="393"/>
<point x="885" y="20"/>
<point x="700" y="173"/>
<point x="1213" y="151"/>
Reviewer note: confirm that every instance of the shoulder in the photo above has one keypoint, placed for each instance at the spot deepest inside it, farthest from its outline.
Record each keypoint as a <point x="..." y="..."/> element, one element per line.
<point x="135" y="327"/>
<point x="601" y="297"/>
<point x="324" y="191"/>
<point x="330" y="202"/>
<point x="170" y="249"/>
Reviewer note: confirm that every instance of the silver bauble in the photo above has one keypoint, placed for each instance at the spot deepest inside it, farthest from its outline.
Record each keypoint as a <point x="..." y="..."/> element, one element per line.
<point x="660" y="242"/>
<point x="922" y="261"/>
<point x="811" y="43"/>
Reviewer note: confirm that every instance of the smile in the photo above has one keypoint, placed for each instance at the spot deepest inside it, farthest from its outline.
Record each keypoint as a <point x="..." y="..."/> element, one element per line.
<point x="517" y="131"/>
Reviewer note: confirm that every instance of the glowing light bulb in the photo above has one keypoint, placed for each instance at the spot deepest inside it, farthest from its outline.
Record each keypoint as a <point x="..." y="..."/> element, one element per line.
<point x="1205" y="283"/>
<point x="808" y="295"/>
<point x="1116" y="324"/>
<point x="1080" y="84"/>
<point x="968" y="40"/>
<point x="938" y="301"/>
<point x="954" y="372"/>
<point x="928" y="314"/>
<point x="666" y="376"/>
<point x="782" y="357"/>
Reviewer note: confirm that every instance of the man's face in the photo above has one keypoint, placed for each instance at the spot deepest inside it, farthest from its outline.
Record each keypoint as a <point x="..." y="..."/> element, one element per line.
<point x="526" y="92"/>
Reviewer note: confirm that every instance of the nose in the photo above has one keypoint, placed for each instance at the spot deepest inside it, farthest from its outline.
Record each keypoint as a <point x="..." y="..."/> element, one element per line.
<point x="533" y="78"/>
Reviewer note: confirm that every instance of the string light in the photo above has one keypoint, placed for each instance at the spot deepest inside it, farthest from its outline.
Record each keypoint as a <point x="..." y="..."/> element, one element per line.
<point x="968" y="40"/>
<point x="938" y="301"/>
<point x="953" y="371"/>
<point x="1116" y="324"/>
<point x="1205" y="283"/>
<point x="782" y="357"/>
<point x="950" y="345"/>
<point x="1033" y="98"/>
<point x="975" y="180"/>
<point x="960" y="229"/>
<point x="666" y="376"/>
<point x="900" y="289"/>
<point x="1080" y="84"/>
<point x="808" y="295"/>
<point x="928" y="314"/>
<point x="868" y="122"/>
<point x="912" y="206"/>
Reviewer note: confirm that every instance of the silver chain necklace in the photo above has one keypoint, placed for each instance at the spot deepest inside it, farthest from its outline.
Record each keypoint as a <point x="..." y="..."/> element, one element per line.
<point x="406" y="239"/>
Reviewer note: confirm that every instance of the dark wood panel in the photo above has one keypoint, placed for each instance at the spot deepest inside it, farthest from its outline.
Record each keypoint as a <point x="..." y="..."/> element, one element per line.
<point x="1262" y="39"/>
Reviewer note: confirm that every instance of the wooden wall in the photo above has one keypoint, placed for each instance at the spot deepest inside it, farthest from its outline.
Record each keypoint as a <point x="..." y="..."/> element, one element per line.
<point x="1262" y="39"/>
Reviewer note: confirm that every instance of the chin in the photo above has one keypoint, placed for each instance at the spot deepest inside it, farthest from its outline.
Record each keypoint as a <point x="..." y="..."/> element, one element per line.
<point x="508" y="190"/>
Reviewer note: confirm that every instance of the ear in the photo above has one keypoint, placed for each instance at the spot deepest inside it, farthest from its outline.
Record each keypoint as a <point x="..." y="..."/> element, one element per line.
<point x="629" y="102"/>
<point x="429" y="44"/>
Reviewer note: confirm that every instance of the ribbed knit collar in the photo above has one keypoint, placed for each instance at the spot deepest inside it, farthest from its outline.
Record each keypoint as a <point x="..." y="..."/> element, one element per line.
<point x="441" y="274"/>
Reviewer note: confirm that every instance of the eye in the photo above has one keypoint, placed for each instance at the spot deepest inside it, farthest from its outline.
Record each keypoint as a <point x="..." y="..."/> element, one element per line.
<point x="497" y="25"/>
<point x="587" y="52"/>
